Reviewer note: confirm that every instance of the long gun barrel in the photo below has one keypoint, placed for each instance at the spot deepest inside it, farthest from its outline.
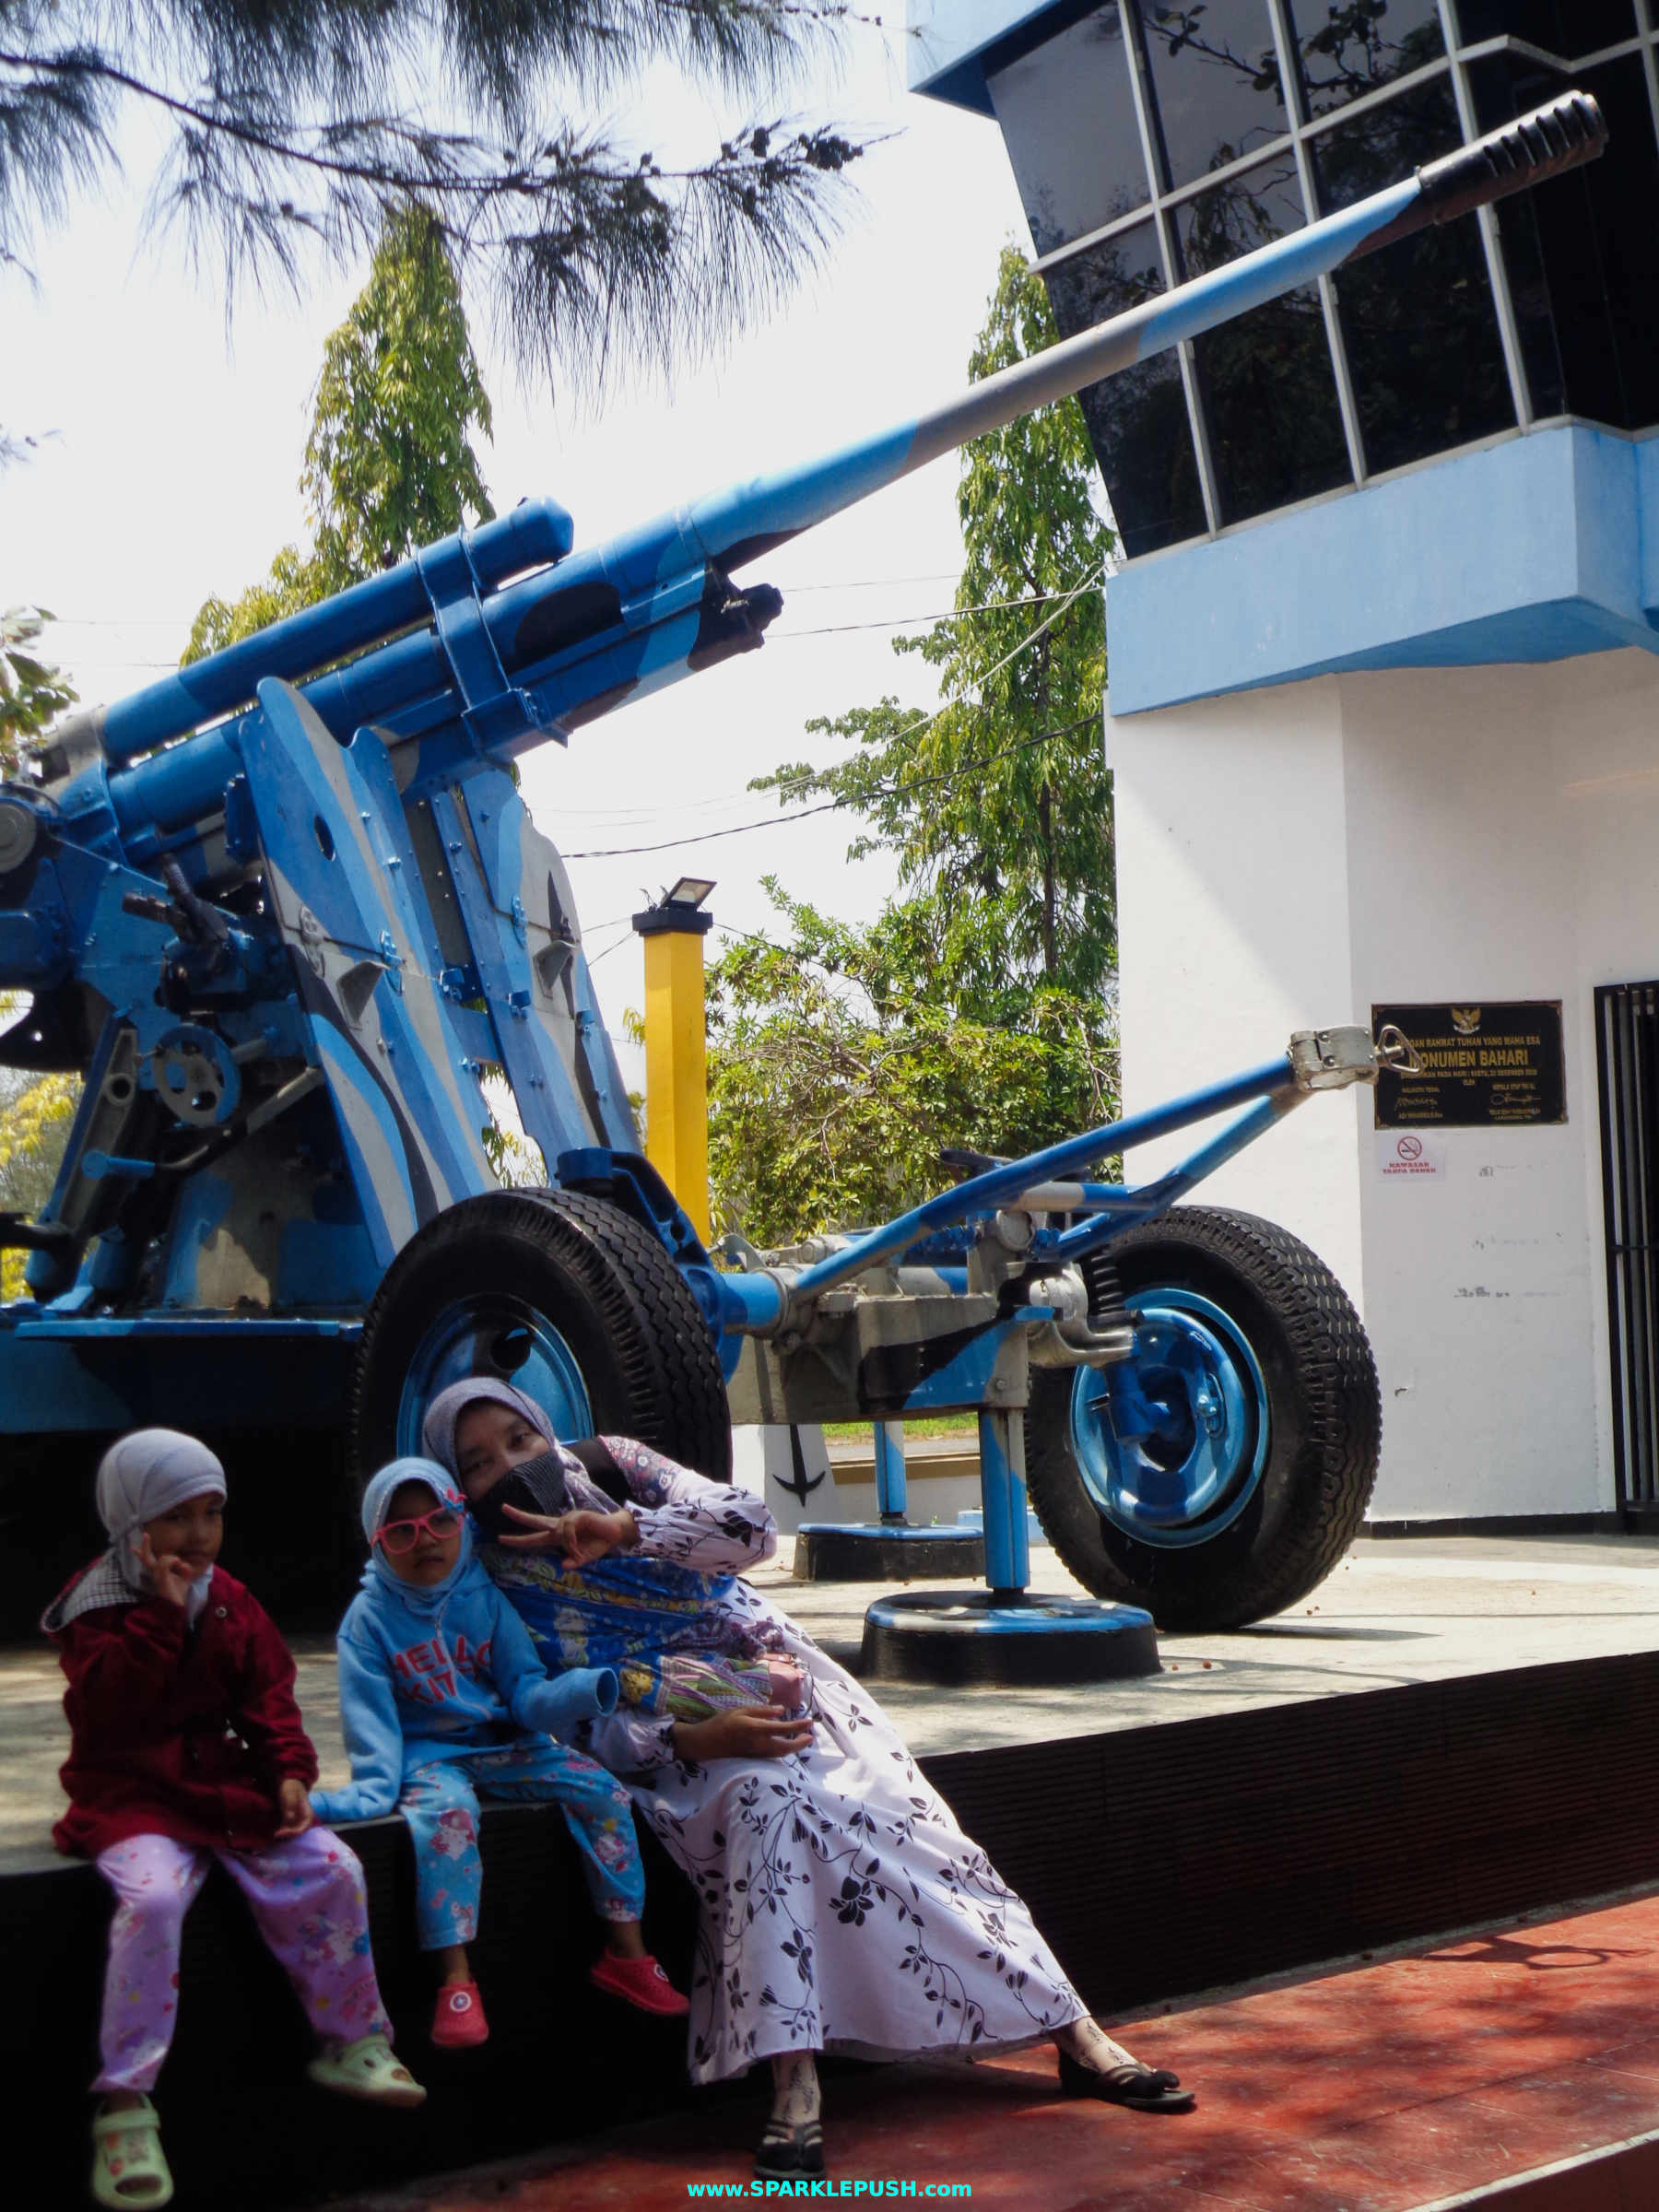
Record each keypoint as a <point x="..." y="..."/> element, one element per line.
<point x="502" y="659"/>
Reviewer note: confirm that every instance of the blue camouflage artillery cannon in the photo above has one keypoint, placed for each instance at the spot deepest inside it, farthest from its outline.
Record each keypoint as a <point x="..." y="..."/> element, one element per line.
<point x="285" y="909"/>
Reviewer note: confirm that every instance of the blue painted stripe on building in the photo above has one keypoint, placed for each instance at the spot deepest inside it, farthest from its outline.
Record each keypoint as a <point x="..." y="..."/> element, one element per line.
<point x="1536" y="550"/>
<point x="945" y="57"/>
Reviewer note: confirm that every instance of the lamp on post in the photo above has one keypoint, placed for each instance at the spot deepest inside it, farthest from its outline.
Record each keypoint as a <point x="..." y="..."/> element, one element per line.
<point x="676" y="1091"/>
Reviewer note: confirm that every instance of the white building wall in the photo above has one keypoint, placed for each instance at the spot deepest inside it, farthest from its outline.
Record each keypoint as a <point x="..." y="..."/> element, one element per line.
<point x="1290" y="857"/>
<point x="1234" y="930"/>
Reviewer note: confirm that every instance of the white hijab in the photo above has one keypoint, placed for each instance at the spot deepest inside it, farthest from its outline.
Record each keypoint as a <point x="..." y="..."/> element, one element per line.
<point x="140" y="1477"/>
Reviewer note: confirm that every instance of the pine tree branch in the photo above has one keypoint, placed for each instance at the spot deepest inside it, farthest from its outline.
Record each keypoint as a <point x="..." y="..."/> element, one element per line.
<point x="299" y="124"/>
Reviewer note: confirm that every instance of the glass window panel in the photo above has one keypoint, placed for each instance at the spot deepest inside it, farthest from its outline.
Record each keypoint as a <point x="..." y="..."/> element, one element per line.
<point x="1418" y="318"/>
<point x="1248" y="211"/>
<point x="1583" y="251"/>
<point x="1067" y="114"/>
<point x="1268" y="388"/>
<point x="1216" y="83"/>
<point x="1269" y="392"/>
<point x="1344" y="52"/>
<point x="1136" y="420"/>
<point x="1423" y="348"/>
<point x="1386" y="144"/>
<point x="1563" y="27"/>
<point x="1503" y="87"/>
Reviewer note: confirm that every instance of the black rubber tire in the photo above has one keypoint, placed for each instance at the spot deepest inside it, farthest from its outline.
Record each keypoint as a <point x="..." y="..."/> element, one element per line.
<point x="646" y="1354"/>
<point x="1324" y="1426"/>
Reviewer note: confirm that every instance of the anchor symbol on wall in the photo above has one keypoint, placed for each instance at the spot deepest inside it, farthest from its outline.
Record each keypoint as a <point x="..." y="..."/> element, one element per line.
<point x="800" y="1487"/>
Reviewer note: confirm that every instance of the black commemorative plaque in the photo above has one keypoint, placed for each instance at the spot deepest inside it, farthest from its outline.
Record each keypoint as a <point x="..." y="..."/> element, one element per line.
<point x="1485" y="1066"/>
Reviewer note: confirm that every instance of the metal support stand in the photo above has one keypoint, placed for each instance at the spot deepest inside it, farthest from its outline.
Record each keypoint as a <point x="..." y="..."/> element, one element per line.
<point x="890" y="1549"/>
<point x="889" y="1471"/>
<point x="1003" y="1495"/>
<point x="1002" y="1634"/>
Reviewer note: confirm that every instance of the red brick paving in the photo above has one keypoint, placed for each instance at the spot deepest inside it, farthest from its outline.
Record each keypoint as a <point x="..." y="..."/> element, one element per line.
<point x="1379" y="2088"/>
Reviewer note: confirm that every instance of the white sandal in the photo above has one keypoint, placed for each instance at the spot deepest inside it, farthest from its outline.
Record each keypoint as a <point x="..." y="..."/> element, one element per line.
<point x="128" y="2167"/>
<point x="367" y="2069"/>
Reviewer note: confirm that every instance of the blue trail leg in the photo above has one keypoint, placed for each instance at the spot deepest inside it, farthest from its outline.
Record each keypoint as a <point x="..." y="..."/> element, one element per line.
<point x="1003" y="1491"/>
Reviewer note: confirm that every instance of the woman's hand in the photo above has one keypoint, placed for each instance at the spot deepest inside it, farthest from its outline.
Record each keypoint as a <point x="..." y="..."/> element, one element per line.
<point x="752" y="1732"/>
<point x="579" y="1537"/>
<point x="170" y="1576"/>
<point x="293" y="1806"/>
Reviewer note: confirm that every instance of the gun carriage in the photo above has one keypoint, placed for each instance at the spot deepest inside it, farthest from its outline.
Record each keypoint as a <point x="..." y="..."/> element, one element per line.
<point x="285" y="909"/>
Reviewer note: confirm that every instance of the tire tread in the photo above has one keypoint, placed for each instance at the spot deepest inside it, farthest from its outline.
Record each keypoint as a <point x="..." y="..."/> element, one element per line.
<point x="664" y="1347"/>
<point x="1337" y="1381"/>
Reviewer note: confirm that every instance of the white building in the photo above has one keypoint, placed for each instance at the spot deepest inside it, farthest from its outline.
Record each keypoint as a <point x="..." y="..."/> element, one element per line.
<point x="1385" y="675"/>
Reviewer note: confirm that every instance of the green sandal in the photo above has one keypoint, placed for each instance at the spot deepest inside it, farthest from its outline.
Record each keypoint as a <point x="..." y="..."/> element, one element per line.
<point x="366" y="2069"/>
<point x="128" y="2167"/>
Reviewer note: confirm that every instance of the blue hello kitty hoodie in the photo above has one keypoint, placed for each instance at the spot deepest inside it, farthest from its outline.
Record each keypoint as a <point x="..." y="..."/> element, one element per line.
<point x="435" y="1672"/>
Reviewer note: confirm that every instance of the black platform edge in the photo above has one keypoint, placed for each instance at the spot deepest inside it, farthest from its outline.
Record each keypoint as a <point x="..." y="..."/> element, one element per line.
<point x="1158" y="1862"/>
<point x="958" y="1638"/>
<point x="869" y="1553"/>
<point x="1515" y="1524"/>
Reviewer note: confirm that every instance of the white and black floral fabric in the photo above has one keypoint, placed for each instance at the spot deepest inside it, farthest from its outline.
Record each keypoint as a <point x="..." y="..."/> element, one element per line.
<point x="841" y="1907"/>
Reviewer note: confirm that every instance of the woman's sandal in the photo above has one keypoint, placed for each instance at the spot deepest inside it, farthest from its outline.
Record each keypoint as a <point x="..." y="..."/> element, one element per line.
<point x="791" y="2151"/>
<point x="366" y="2069"/>
<point x="128" y="2167"/>
<point x="1142" y="2088"/>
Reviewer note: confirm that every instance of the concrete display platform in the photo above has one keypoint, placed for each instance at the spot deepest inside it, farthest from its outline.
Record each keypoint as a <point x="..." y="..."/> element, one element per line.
<point x="1395" y="1611"/>
<point x="1449" y="1731"/>
<point x="1515" y="2067"/>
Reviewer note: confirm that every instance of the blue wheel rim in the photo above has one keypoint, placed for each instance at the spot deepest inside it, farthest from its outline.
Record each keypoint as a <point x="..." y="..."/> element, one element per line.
<point x="1173" y="1442"/>
<point x="505" y="1337"/>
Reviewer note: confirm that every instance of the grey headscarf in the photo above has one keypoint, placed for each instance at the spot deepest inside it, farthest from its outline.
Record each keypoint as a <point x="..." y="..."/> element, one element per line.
<point x="557" y="1491"/>
<point x="139" y="1477"/>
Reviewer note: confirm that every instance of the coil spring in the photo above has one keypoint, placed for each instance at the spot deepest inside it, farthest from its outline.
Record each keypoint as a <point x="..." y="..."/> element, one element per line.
<point x="1099" y="1274"/>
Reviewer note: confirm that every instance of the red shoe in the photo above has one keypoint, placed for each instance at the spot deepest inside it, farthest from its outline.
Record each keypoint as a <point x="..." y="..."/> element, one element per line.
<point x="641" y="1983"/>
<point x="459" y="2021"/>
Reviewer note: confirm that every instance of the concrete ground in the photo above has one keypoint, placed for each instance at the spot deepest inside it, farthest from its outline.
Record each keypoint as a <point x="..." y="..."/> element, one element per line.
<point x="1395" y="1611"/>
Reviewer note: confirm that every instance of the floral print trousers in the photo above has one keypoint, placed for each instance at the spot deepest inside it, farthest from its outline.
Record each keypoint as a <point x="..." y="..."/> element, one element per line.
<point x="306" y="1898"/>
<point x="440" y="1801"/>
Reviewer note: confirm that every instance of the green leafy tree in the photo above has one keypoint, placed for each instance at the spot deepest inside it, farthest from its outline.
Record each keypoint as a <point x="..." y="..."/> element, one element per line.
<point x="836" y="1079"/>
<point x="32" y="692"/>
<point x="35" y="1111"/>
<point x="283" y="131"/>
<point x="975" y="1010"/>
<point x="389" y="463"/>
<point x="999" y="807"/>
<point x="35" y="1114"/>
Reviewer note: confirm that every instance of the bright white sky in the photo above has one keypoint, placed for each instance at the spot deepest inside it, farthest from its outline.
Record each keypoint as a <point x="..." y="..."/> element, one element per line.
<point x="171" y="472"/>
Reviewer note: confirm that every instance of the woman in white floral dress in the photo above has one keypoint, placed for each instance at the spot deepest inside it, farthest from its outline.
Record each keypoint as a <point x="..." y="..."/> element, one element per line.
<point x="841" y="1906"/>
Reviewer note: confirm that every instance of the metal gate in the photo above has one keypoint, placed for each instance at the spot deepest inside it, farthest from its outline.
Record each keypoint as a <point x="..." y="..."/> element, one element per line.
<point x="1626" y="1052"/>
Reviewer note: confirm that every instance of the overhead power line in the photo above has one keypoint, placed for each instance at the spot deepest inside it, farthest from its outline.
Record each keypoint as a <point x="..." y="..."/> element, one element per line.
<point x="924" y="722"/>
<point x="887" y="791"/>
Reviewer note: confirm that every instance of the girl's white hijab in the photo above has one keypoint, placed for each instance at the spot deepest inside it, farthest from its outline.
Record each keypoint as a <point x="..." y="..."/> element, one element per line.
<point x="140" y="1478"/>
<point x="419" y="1597"/>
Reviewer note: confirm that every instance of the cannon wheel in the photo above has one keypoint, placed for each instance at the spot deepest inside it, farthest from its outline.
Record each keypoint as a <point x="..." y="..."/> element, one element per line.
<point x="564" y="1295"/>
<point x="1220" y="1473"/>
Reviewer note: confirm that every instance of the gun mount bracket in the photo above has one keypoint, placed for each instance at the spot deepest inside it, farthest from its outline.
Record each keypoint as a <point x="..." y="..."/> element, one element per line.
<point x="1395" y="1050"/>
<point x="18" y="1233"/>
<point x="18" y="833"/>
<point x="1332" y="1059"/>
<point x="194" y="1076"/>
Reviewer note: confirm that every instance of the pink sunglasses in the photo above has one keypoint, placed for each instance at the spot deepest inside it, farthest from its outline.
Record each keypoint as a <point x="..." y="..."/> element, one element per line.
<point x="399" y="1536"/>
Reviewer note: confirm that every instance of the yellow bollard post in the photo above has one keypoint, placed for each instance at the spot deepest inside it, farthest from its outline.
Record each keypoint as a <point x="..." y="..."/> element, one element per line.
<point x="676" y="1091"/>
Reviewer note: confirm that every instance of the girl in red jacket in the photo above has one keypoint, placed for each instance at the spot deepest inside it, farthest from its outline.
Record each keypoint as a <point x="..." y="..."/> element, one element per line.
<point x="186" y="1740"/>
